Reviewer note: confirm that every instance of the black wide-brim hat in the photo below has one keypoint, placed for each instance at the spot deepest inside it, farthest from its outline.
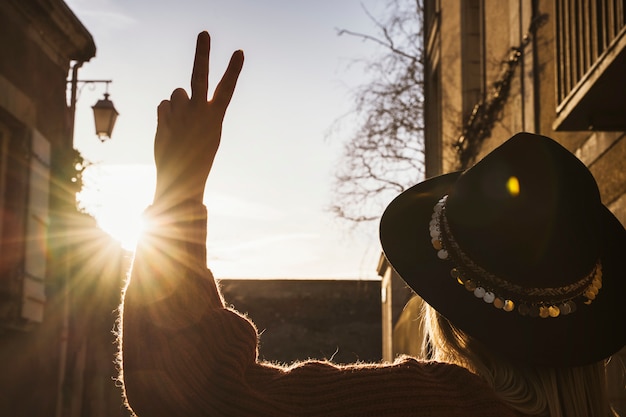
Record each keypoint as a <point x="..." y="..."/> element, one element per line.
<point x="521" y="255"/>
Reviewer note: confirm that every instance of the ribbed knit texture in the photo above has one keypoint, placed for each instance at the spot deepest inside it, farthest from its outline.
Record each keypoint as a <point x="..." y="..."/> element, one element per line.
<point x="185" y="354"/>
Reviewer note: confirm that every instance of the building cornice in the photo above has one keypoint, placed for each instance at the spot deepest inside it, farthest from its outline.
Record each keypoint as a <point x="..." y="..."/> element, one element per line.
<point x="55" y="27"/>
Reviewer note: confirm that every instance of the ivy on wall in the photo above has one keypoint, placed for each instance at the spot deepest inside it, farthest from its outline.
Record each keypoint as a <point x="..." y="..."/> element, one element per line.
<point x="488" y="111"/>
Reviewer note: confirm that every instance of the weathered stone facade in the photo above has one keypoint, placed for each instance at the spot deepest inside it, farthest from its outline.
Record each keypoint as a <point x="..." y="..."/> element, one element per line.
<point x="60" y="276"/>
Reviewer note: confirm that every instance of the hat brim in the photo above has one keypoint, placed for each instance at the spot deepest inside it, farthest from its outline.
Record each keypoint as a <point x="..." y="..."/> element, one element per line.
<point x="592" y="333"/>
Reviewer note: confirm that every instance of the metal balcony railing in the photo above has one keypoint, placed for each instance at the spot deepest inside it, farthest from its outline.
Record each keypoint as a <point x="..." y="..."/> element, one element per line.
<point x="585" y="31"/>
<point x="590" y="65"/>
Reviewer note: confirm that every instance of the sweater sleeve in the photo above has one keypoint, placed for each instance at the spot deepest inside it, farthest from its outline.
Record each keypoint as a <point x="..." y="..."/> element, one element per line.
<point x="185" y="354"/>
<point x="180" y="345"/>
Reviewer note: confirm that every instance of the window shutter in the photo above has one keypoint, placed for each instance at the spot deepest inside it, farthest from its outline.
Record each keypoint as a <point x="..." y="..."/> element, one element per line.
<point x="35" y="260"/>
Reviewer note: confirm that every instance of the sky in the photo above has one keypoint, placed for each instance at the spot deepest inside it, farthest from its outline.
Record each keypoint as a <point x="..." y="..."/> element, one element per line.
<point x="271" y="184"/>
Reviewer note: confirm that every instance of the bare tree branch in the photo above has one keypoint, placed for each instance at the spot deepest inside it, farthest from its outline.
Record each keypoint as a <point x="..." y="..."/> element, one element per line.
<point x="384" y="154"/>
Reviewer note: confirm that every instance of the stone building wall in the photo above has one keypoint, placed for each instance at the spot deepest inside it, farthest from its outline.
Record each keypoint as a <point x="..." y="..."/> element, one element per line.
<point x="338" y="320"/>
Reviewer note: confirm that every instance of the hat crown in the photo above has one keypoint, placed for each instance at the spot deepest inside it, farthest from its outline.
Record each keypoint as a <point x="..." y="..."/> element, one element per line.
<point x="528" y="212"/>
<point x="525" y="227"/>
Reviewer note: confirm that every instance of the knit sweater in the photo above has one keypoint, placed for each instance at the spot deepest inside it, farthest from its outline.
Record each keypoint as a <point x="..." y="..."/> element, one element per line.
<point x="184" y="353"/>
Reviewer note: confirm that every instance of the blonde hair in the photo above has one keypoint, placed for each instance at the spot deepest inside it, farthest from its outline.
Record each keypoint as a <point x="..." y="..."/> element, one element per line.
<point x="531" y="390"/>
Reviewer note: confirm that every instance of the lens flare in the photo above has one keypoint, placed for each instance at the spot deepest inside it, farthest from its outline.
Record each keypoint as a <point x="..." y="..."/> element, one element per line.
<point x="512" y="185"/>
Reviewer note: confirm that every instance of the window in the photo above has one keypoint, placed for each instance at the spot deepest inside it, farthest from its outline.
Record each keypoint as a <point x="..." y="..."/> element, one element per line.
<point x="4" y="151"/>
<point x="473" y="62"/>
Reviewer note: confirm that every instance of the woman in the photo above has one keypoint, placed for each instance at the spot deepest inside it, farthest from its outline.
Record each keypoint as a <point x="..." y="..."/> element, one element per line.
<point x="185" y="353"/>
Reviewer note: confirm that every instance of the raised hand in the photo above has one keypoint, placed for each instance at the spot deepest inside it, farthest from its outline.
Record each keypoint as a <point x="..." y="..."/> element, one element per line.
<point x="189" y="129"/>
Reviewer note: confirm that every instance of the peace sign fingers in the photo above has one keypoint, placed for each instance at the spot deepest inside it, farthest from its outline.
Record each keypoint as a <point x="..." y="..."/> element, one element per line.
<point x="200" y="76"/>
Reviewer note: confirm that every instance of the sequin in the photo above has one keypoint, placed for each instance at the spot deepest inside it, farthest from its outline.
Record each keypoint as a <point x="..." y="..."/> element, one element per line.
<point x="572" y="305"/>
<point x="565" y="309"/>
<point x="554" y="311"/>
<point x="470" y="285"/>
<point x="508" y="305"/>
<point x="434" y="233"/>
<point x="442" y="254"/>
<point x="437" y="244"/>
<point x="523" y="309"/>
<point x="479" y="292"/>
<point x="498" y="302"/>
<point x="543" y="312"/>
<point x="590" y="295"/>
<point x="489" y="297"/>
<point x="455" y="272"/>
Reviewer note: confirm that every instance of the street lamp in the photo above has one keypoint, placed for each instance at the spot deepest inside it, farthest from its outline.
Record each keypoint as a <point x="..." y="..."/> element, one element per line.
<point x="104" y="115"/>
<point x="104" y="112"/>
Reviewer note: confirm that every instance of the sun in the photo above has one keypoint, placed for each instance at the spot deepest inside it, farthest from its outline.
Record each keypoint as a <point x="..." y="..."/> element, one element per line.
<point x="117" y="195"/>
<point x="123" y="228"/>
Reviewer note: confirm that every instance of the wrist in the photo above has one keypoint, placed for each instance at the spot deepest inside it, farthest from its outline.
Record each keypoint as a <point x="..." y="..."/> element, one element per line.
<point x="185" y="211"/>
<point x="172" y="194"/>
<point x="183" y="226"/>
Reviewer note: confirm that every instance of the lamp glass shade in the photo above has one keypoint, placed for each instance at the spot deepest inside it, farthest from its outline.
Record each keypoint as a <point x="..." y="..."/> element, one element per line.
<point x="105" y="115"/>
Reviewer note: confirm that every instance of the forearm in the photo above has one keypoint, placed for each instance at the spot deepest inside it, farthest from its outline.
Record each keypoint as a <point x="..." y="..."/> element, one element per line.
<point x="170" y="259"/>
<point x="172" y="313"/>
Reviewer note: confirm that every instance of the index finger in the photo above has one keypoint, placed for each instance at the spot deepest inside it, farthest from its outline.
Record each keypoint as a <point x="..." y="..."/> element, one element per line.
<point x="200" y="73"/>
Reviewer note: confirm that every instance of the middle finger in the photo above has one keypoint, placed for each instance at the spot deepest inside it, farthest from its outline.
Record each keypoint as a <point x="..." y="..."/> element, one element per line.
<point x="200" y="73"/>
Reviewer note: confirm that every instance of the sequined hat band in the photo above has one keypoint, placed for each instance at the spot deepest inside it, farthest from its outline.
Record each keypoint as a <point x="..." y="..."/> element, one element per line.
<point x="503" y="294"/>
